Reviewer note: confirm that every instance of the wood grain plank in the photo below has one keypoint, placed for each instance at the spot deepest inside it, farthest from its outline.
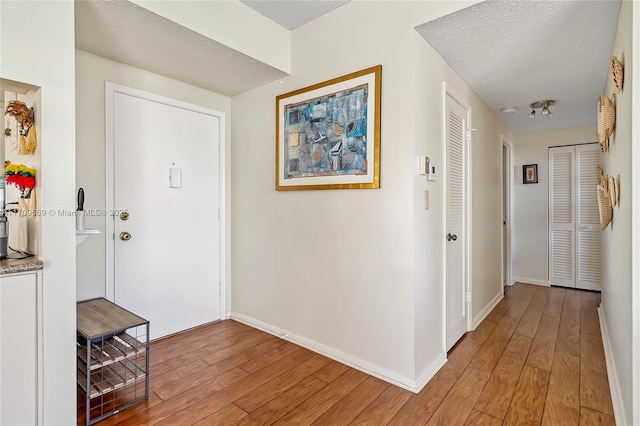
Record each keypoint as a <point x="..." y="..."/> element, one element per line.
<point x="269" y="358"/>
<point x="595" y="418"/>
<point x="476" y="418"/>
<point x="199" y="345"/>
<point x="589" y="322"/>
<point x="380" y="411"/>
<point x="544" y="344"/>
<point x="496" y="395"/>
<point x="569" y="331"/>
<point x="226" y="416"/>
<point x="527" y="405"/>
<point x="239" y="347"/>
<point x="555" y="302"/>
<point x="421" y="407"/>
<point x="353" y="403"/>
<point x="212" y="381"/>
<point x="164" y="356"/>
<point x="284" y="403"/>
<point x="594" y="383"/>
<point x="488" y="355"/>
<point x="562" y="406"/>
<point x="270" y="390"/>
<point x="457" y="405"/>
<point x="528" y="325"/>
<point x="307" y="412"/>
<point x="196" y="371"/>
<point x="482" y="332"/>
<point x="331" y="371"/>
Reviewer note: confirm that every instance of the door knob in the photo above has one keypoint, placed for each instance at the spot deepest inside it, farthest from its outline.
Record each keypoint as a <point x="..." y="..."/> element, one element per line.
<point x="125" y="236"/>
<point x="452" y="237"/>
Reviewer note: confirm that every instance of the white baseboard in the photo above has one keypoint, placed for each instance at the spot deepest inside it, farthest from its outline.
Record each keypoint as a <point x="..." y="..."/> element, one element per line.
<point x="477" y="319"/>
<point x="430" y="371"/>
<point x="612" y="372"/>
<point x="345" y="358"/>
<point x="535" y="281"/>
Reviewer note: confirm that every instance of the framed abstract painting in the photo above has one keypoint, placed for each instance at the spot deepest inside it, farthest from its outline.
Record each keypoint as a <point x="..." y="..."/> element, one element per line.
<point x="328" y="134"/>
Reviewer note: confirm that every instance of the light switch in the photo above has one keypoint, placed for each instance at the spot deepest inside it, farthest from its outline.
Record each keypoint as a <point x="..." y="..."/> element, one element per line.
<point x="426" y="200"/>
<point x="175" y="178"/>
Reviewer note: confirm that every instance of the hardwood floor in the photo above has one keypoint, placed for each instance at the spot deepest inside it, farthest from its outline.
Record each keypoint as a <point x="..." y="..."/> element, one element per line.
<point x="536" y="359"/>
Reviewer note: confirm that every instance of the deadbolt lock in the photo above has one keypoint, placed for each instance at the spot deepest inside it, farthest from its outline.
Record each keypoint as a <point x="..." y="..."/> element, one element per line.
<point x="124" y="215"/>
<point x="125" y="236"/>
<point x="452" y="237"/>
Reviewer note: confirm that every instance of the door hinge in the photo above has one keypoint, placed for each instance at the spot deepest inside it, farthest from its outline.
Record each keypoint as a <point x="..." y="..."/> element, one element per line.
<point x="468" y="297"/>
<point x="219" y="214"/>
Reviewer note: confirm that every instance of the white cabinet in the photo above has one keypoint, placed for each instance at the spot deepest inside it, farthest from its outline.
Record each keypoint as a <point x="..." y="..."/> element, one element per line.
<point x="19" y="349"/>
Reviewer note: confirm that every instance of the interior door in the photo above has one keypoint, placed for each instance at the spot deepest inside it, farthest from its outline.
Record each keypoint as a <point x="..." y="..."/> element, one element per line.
<point x="574" y="221"/>
<point x="587" y="218"/>
<point x="167" y="248"/>
<point x="561" y="216"/>
<point x="456" y="133"/>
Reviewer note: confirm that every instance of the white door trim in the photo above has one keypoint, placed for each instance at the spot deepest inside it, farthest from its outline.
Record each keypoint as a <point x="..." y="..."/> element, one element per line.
<point x="509" y="229"/>
<point x="110" y="90"/>
<point x="447" y="90"/>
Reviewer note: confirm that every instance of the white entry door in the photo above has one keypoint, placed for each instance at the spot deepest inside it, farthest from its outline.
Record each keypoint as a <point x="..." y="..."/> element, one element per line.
<point x="574" y="221"/>
<point x="456" y="288"/>
<point x="166" y="259"/>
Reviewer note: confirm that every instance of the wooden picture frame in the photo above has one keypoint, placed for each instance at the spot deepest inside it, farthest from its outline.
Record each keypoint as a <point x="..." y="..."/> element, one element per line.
<point x="530" y="173"/>
<point x="328" y="134"/>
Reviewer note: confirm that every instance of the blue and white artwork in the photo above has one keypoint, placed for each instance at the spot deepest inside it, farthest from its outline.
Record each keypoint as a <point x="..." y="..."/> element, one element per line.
<point x="327" y="136"/>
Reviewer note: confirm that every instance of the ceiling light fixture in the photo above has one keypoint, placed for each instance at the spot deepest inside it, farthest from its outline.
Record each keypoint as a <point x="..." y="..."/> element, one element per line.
<point x="546" y="112"/>
<point x="509" y="110"/>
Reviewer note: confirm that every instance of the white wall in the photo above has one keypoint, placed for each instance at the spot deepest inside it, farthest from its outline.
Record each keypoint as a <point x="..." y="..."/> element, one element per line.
<point x="616" y="238"/>
<point x="37" y="47"/>
<point x="91" y="73"/>
<point x="338" y="270"/>
<point x="530" y="211"/>
<point x="486" y="213"/>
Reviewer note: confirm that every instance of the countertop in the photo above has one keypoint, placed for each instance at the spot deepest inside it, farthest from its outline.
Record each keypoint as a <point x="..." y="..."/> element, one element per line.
<point x="14" y="266"/>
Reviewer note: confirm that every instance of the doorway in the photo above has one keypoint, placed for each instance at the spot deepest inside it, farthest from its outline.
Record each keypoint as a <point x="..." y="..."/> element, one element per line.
<point x="457" y="285"/>
<point x="507" y="185"/>
<point x="164" y="199"/>
<point x="574" y="218"/>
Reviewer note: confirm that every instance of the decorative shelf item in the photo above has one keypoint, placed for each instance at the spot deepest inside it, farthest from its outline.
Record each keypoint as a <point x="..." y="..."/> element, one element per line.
<point x="616" y="71"/>
<point x="604" y="207"/>
<point x="606" y="121"/>
<point x="83" y="234"/>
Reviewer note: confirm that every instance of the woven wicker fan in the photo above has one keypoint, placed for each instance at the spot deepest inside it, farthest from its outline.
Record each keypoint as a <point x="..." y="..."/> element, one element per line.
<point x="601" y="179"/>
<point x="612" y="191"/>
<point x="604" y="206"/>
<point x="616" y="70"/>
<point x="606" y="121"/>
<point x="618" y="189"/>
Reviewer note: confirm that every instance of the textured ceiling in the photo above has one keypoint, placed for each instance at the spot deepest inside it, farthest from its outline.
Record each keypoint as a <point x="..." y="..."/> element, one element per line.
<point x="127" y="33"/>
<point x="291" y="14"/>
<point x="512" y="53"/>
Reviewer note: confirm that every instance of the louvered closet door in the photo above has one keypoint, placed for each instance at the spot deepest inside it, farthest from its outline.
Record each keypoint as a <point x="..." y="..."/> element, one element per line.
<point x="574" y="222"/>
<point x="588" y="218"/>
<point x="456" y="130"/>
<point x="561" y="217"/>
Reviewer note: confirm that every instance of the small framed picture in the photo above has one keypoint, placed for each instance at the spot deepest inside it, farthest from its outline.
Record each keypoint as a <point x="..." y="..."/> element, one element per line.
<point x="530" y="173"/>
